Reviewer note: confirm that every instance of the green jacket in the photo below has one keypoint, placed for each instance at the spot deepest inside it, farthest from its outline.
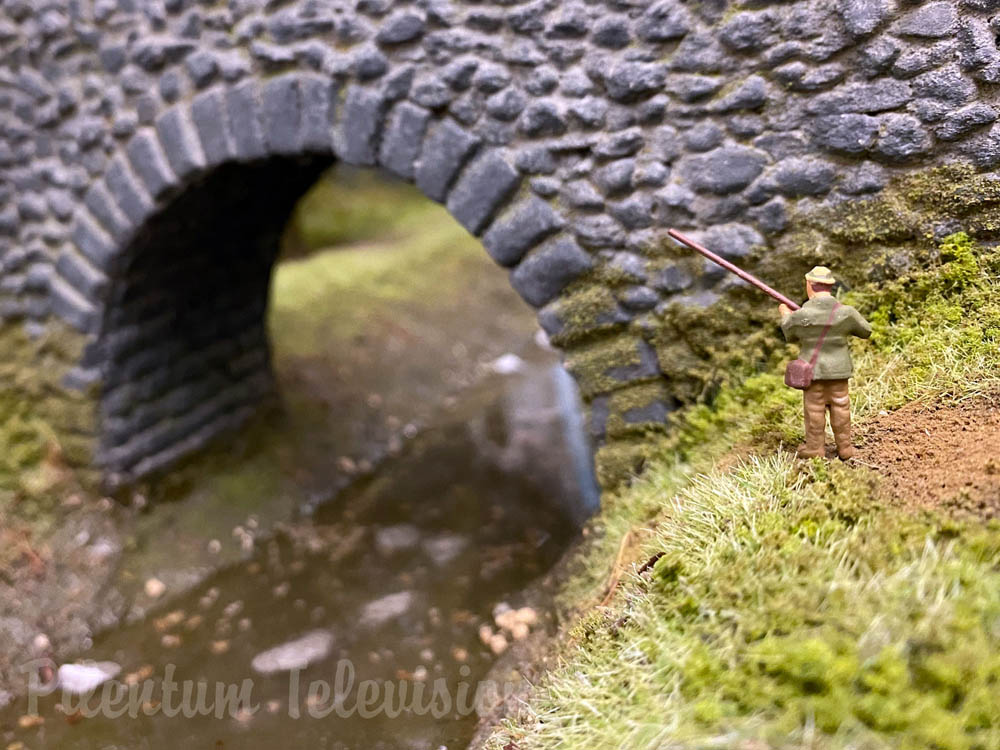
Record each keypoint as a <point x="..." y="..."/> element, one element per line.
<point x="805" y="326"/>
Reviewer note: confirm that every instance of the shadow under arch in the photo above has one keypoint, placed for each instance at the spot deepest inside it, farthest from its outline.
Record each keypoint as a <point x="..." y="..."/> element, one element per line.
<point x="174" y="247"/>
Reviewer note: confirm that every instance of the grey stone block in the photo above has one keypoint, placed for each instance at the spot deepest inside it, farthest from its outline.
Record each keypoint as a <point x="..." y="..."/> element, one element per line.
<point x="405" y="130"/>
<point x="664" y="21"/>
<point x="444" y="152"/>
<point x="862" y="17"/>
<point x="724" y="170"/>
<point x="357" y="132"/>
<point x="655" y="412"/>
<point x="72" y="306"/>
<point x="616" y="177"/>
<point x="405" y="26"/>
<point x="634" y="81"/>
<point x="636" y="212"/>
<point x="542" y="118"/>
<point x="748" y="31"/>
<point x="208" y="113"/>
<point x="130" y="197"/>
<point x="599" y="232"/>
<point x="549" y="269"/>
<point x="150" y="163"/>
<point x="934" y="19"/>
<point x="523" y="227"/>
<point x="244" y="121"/>
<point x="180" y="143"/>
<point x="903" y="137"/>
<point x="961" y="122"/>
<point x="482" y="189"/>
<point x="673" y="279"/>
<point x="877" y="96"/>
<point x="281" y="114"/>
<point x="848" y="133"/>
<point x="318" y="97"/>
<point x="639" y="298"/>
<point x="80" y="274"/>
<point x="798" y="177"/>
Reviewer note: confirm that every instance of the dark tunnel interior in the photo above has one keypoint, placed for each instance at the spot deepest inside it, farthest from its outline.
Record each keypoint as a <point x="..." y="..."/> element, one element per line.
<point x="184" y="337"/>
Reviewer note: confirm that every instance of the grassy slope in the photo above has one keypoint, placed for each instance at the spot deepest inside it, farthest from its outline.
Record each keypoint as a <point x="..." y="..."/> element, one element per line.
<point x="789" y="607"/>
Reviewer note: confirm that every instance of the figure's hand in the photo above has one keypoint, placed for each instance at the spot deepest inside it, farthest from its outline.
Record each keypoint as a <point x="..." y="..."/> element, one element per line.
<point x="785" y="310"/>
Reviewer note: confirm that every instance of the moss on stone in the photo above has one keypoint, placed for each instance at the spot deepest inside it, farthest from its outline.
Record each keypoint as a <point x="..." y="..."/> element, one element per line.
<point x="40" y="420"/>
<point x="594" y="366"/>
<point x="618" y="462"/>
<point x="585" y="312"/>
<point x="625" y="403"/>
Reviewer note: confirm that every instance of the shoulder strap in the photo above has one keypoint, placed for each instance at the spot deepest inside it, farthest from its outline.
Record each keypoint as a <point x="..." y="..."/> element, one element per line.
<point x="822" y="336"/>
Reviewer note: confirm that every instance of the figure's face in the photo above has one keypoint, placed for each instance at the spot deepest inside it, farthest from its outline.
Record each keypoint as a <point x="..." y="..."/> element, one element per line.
<point x="810" y="292"/>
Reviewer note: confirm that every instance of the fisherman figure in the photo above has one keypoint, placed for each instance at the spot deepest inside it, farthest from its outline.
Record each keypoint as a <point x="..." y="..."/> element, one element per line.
<point x="822" y="327"/>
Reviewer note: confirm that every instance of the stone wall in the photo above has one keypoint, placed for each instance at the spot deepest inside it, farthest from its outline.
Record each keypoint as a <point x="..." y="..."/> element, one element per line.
<point x="151" y="149"/>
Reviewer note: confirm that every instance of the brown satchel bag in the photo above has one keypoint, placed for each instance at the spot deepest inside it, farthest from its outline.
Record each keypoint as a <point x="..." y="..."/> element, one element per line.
<point x="798" y="372"/>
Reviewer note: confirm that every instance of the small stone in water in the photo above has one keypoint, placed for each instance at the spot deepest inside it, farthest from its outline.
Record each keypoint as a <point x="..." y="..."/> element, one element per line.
<point x="459" y="654"/>
<point x="41" y="643"/>
<point x="243" y="624"/>
<point x="194" y="622"/>
<point x="215" y="546"/>
<point x="296" y="654"/>
<point x="143" y="673"/>
<point x="444" y="548"/>
<point x="498" y="644"/>
<point x="394" y="539"/>
<point x="219" y="647"/>
<point x="427" y="655"/>
<point x="30" y="721"/>
<point x="420" y="673"/>
<point x="273" y="706"/>
<point x="168" y="621"/>
<point x="281" y="590"/>
<point x="170" y="641"/>
<point x="77" y="679"/>
<point x="507" y="364"/>
<point x="233" y="608"/>
<point x="389" y="607"/>
<point x="154" y="588"/>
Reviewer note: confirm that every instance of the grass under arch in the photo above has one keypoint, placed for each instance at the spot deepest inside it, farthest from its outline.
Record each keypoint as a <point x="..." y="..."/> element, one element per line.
<point x="788" y="608"/>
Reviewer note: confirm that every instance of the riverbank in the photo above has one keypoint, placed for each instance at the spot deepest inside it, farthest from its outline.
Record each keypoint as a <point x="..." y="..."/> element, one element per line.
<point x="736" y="597"/>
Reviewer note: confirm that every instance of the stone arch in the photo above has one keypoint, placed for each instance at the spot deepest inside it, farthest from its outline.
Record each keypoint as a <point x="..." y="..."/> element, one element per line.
<point x="158" y="402"/>
<point x="783" y="131"/>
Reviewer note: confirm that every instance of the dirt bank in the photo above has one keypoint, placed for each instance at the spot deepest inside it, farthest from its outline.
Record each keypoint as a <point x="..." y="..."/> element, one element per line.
<point x="939" y="455"/>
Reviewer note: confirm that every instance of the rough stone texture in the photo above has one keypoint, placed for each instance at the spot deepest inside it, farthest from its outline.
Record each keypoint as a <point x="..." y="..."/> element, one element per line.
<point x="567" y="135"/>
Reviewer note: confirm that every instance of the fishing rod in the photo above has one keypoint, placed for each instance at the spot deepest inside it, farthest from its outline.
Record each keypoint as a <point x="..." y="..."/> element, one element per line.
<point x="719" y="260"/>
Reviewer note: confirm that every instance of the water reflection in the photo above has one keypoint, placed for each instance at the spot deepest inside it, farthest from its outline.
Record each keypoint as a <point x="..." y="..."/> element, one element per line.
<point x="412" y="580"/>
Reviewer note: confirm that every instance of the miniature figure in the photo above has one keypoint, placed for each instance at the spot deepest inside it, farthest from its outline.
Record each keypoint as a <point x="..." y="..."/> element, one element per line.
<point x="822" y="325"/>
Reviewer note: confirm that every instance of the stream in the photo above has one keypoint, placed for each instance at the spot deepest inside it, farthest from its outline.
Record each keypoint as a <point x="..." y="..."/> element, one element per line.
<point x="373" y="621"/>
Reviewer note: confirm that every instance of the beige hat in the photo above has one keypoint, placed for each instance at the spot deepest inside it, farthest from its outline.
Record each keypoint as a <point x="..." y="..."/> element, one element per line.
<point x="821" y="275"/>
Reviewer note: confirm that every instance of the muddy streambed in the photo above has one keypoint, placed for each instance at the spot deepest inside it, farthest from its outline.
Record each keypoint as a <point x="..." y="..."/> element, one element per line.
<point x="399" y="595"/>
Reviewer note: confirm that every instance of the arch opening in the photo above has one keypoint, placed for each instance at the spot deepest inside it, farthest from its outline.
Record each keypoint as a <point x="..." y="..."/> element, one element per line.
<point x="184" y="336"/>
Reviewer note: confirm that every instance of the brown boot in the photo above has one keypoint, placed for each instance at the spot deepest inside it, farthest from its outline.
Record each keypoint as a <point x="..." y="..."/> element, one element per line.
<point x="814" y="407"/>
<point x="840" y="419"/>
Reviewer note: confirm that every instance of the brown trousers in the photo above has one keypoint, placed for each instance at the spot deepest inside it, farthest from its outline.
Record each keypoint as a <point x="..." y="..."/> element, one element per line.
<point x="817" y="398"/>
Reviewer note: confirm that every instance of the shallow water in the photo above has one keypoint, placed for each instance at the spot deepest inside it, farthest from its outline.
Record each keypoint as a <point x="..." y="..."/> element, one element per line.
<point x="459" y="523"/>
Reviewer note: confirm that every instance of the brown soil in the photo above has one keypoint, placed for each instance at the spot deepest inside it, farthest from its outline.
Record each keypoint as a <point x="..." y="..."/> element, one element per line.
<point x="944" y="456"/>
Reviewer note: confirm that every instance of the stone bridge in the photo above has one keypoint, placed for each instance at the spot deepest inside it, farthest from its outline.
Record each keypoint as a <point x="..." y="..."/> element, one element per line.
<point x="151" y="151"/>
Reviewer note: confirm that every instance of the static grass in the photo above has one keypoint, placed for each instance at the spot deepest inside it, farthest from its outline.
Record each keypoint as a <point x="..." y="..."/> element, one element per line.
<point x="350" y="205"/>
<point x="349" y="281"/>
<point x="786" y="608"/>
